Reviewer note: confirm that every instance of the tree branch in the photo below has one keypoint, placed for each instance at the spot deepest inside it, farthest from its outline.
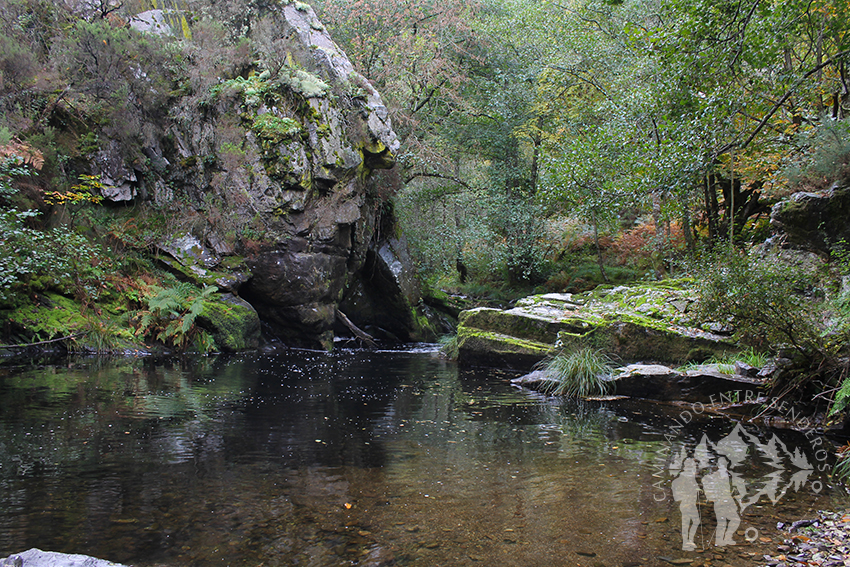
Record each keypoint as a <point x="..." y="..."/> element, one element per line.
<point x="26" y="345"/>
<point x="778" y="104"/>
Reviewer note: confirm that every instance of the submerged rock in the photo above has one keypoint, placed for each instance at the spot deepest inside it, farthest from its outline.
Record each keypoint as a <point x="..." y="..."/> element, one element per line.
<point x="646" y="323"/>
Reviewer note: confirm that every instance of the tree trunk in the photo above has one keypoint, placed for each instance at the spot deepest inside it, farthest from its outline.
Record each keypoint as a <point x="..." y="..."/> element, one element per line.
<point x="599" y="251"/>
<point x="711" y="211"/>
<point x="686" y="223"/>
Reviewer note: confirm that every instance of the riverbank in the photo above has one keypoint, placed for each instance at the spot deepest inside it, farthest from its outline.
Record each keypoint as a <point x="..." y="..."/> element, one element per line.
<point x="823" y="541"/>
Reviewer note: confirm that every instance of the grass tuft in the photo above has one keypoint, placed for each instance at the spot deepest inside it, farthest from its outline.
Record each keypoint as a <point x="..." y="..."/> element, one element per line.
<point x="448" y="346"/>
<point x="580" y="373"/>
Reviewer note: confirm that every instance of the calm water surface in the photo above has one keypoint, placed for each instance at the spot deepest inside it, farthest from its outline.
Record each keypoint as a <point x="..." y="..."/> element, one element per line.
<point x="357" y="458"/>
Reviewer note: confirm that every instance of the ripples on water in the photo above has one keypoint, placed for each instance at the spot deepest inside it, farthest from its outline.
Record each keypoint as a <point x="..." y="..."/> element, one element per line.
<point x="352" y="458"/>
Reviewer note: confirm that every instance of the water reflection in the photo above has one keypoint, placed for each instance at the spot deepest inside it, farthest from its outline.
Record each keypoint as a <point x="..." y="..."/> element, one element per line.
<point x="350" y="458"/>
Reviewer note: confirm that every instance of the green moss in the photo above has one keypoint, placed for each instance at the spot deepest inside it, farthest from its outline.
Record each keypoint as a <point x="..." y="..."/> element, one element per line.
<point x="497" y="343"/>
<point x="52" y="316"/>
<point x="233" y="324"/>
<point x="274" y="130"/>
<point x="304" y="83"/>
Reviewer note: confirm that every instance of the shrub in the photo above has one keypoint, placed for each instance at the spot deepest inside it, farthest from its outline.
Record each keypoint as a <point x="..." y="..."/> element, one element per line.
<point x="581" y="373"/>
<point x="769" y="303"/>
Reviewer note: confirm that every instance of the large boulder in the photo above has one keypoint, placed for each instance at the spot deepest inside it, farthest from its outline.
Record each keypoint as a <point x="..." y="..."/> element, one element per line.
<point x="816" y="222"/>
<point x="645" y="323"/>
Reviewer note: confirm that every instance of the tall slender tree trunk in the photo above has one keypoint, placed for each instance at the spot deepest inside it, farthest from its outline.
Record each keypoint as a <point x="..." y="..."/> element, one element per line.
<point x="711" y="210"/>
<point x="686" y="223"/>
<point x="599" y="250"/>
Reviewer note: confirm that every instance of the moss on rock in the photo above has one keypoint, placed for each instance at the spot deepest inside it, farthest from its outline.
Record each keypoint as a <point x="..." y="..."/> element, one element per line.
<point x="232" y="322"/>
<point x="645" y="322"/>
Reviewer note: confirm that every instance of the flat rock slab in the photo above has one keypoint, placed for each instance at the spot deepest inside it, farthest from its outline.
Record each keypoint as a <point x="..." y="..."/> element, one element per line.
<point x="705" y="385"/>
<point x="661" y="383"/>
<point x="38" y="558"/>
<point x="633" y="324"/>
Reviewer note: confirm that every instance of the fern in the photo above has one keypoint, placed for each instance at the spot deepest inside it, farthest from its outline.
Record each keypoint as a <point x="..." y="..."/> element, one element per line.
<point x="171" y="313"/>
<point x="842" y="398"/>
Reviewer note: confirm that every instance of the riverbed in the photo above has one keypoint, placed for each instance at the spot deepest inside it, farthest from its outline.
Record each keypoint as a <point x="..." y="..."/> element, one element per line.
<point x="371" y="457"/>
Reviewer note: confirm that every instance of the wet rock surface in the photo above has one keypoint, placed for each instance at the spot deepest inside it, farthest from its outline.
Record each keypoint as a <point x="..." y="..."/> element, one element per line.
<point x="703" y="384"/>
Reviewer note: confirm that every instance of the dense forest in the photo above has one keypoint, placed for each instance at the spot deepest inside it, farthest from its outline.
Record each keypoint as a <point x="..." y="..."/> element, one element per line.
<point x="544" y="147"/>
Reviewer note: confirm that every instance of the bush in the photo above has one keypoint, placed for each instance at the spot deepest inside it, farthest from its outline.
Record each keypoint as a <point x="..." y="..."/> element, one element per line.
<point x="769" y="303"/>
<point x="581" y="373"/>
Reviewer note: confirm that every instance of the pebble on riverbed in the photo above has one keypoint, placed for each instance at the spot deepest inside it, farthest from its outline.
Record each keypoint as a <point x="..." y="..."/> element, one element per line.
<point x="824" y="541"/>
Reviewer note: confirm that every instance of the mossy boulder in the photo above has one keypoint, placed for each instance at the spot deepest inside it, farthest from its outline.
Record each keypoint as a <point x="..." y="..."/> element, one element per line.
<point x="232" y="322"/>
<point x="646" y="322"/>
<point x="816" y="222"/>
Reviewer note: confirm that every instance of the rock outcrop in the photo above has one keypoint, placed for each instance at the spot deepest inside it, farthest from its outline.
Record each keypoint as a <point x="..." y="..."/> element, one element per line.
<point x="645" y="323"/>
<point x="814" y="222"/>
<point x="275" y="172"/>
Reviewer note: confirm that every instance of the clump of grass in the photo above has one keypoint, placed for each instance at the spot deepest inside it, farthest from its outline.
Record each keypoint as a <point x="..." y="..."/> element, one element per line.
<point x="448" y="346"/>
<point x="726" y="362"/>
<point x="581" y="373"/>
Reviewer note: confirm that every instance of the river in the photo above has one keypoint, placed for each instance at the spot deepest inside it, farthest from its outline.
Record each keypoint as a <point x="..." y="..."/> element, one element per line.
<point x="368" y="458"/>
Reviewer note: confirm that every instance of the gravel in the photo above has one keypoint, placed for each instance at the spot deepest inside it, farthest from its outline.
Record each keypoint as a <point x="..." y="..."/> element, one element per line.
<point x="823" y="541"/>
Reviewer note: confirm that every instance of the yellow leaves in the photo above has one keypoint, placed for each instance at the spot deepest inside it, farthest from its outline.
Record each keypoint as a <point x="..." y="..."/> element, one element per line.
<point x="84" y="192"/>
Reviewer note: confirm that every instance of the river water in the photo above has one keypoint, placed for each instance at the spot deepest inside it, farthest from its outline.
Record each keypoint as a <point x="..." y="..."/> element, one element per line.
<point x="368" y="458"/>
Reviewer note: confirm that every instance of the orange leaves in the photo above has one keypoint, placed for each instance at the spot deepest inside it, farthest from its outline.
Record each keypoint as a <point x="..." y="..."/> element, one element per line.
<point x="28" y="154"/>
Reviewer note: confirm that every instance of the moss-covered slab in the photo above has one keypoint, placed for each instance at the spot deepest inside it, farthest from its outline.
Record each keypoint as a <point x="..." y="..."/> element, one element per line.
<point x="646" y="322"/>
<point x="486" y="348"/>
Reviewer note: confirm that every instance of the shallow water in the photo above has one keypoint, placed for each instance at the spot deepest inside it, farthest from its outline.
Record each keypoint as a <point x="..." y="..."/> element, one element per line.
<point x="366" y="458"/>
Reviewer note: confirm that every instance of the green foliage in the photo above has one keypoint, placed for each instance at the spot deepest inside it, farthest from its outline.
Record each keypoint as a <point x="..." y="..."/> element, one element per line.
<point x="10" y="168"/>
<point x="842" y="463"/>
<point x="42" y="259"/>
<point x="824" y="157"/>
<point x="841" y="400"/>
<point x="275" y="129"/>
<point x="580" y="373"/>
<point x="726" y="362"/>
<point x="170" y="317"/>
<point x="770" y="304"/>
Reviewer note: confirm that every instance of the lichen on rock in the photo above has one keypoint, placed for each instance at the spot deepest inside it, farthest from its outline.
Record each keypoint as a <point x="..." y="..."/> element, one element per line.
<point x="644" y="322"/>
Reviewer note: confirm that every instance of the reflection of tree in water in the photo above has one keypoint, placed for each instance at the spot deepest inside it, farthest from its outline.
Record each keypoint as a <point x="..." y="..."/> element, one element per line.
<point x="722" y="468"/>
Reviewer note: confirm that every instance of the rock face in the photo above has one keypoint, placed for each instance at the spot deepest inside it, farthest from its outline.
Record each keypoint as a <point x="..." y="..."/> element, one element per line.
<point x="638" y="323"/>
<point x="278" y="166"/>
